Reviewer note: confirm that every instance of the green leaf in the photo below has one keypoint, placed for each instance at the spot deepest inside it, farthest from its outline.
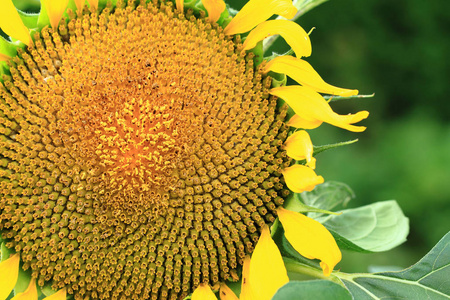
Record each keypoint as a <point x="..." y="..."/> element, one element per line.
<point x="330" y="195"/>
<point x="345" y="244"/>
<point x="427" y="279"/>
<point x="377" y="227"/>
<point x="312" y="289"/>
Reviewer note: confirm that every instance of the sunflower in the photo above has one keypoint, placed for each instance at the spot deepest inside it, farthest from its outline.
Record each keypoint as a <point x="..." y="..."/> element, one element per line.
<point x="146" y="146"/>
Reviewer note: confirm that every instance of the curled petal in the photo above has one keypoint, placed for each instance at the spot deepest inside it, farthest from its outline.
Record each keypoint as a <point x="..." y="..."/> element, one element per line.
<point x="304" y="73"/>
<point x="301" y="178"/>
<point x="9" y="272"/>
<point x="310" y="238"/>
<point x="59" y="295"/>
<point x="267" y="270"/>
<point x="256" y="12"/>
<point x="215" y="8"/>
<point x="55" y="10"/>
<point x="29" y="294"/>
<point x="292" y="33"/>
<point x="226" y="293"/>
<point x="11" y="23"/>
<point x="299" y="147"/>
<point x="312" y="108"/>
<point x="203" y="292"/>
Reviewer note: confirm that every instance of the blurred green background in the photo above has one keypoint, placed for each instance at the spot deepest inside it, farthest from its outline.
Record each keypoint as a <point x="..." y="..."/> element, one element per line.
<point x="399" y="51"/>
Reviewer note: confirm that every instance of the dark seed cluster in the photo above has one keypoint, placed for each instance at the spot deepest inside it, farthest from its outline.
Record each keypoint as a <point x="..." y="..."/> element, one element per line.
<point x="140" y="154"/>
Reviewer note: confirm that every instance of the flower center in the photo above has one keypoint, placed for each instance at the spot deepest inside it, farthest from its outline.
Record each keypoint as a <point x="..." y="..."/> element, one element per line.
<point x="140" y="154"/>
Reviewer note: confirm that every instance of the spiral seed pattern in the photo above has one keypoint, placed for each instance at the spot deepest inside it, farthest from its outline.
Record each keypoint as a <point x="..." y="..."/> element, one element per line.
<point x="140" y="154"/>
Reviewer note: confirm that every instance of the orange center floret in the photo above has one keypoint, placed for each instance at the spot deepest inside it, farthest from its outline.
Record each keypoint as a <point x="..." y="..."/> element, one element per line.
<point x="136" y="128"/>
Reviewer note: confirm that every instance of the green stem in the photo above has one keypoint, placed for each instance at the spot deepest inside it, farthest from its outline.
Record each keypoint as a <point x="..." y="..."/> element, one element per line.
<point x="296" y="267"/>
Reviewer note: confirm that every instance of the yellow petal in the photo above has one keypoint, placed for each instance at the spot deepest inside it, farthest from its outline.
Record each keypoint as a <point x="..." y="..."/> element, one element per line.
<point x="29" y="294"/>
<point x="299" y="147"/>
<point x="292" y="33"/>
<point x="226" y="293"/>
<point x="215" y="8"/>
<point x="79" y="4"/>
<point x="301" y="178"/>
<point x="55" y="10"/>
<point x="304" y="73"/>
<point x="310" y="238"/>
<point x="246" y="291"/>
<point x="59" y="295"/>
<point x="93" y="3"/>
<point x="267" y="270"/>
<point x="203" y="292"/>
<point x="180" y="5"/>
<point x="298" y="122"/>
<point x="312" y="107"/>
<point x="11" y="23"/>
<point x="256" y="12"/>
<point x="9" y="272"/>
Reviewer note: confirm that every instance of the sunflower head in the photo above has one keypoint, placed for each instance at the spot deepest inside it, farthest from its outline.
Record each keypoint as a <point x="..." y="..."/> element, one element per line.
<point x="142" y="148"/>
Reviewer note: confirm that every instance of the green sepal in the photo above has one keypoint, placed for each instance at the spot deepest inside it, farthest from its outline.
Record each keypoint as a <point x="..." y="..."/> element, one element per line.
<point x="102" y="3"/>
<point x="27" y="5"/>
<point x="3" y="70"/>
<point x="331" y="98"/>
<point x="293" y="203"/>
<point x="47" y="289"/>
<point x="5" y="252"/>
<point x="72" y="6"/>
<point x="277" y="79"/>
<point x="305" y="6"/>
<point x="259" y="54"/>
<point x="223" y="16"/>
<point x="22" y="281"/>
<point x="319" y="149"/>
<point x="30" y="20"/>
<point x="275" y="55"/>
<point x="43" y="19"/>
<point x="7" y="47"/>
<point x="193" y="4"/>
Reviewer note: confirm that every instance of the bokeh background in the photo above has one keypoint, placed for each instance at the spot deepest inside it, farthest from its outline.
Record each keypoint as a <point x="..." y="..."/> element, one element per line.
<point x="399" y="51"/>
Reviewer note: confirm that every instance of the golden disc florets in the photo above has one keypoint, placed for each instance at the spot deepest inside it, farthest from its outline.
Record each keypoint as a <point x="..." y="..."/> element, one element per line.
<point x="141" y="154"/>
